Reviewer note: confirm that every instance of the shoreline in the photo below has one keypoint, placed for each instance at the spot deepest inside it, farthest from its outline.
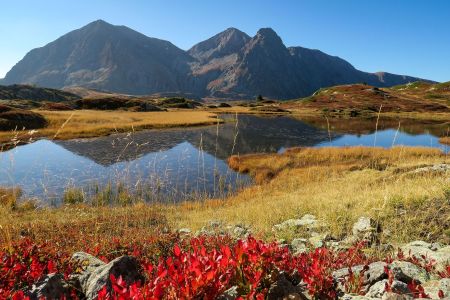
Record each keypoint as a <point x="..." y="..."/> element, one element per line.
<point x="66" y="125"/>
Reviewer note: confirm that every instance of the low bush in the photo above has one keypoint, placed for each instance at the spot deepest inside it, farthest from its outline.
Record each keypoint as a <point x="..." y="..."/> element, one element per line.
<point x="14" y="118"/>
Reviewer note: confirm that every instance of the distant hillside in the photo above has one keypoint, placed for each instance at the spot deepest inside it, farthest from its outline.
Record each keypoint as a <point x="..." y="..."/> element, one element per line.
<point x="27" y="92"/>
<point x="230" y="65"/>
<point x="92" y="93"/>
<point x="359" y="98"/>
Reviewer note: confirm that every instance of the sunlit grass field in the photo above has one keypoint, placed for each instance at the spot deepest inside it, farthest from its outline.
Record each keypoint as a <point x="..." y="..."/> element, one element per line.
<point x="93" y="123"/>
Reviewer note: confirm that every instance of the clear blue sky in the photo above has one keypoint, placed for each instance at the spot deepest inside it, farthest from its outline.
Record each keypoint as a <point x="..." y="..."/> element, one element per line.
<point x="400" y="36"/>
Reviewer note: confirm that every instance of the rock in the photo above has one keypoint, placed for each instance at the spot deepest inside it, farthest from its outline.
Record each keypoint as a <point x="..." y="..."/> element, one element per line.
<point x="318" y="240"/>
<point x="284" y="289"/>
<point x="375" y="272"/>
<point x="184" y="231"/>
<point x="51" y="286"/>
<point x="215" y="224"/>
<point x="213" y="227"/>
<point x="230" y="294"/>
<point x="96" y="274"/>
<point x="343" y="273"/>
<point x="216" y="227"/>
<point x="424" y="251"/>
<point x="366" y="229"/>
<point x="299" y="246"/>
<point x="87" y="261"/>
<point x="407" y="272"/>
<point x="432" y="288"/>
<point x="434" y="169"/>
<point x="356" y="297"/>
<point x="394" y="296"/>
<point x="307" y="222"/>
<point x="379" y="288"/>
<point x="240" y="231"/>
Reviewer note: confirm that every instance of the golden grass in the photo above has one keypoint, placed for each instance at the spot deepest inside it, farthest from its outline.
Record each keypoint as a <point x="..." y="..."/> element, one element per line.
<point x="436" y="116"/>
<point x="338" y="185"/>
<point x="445" y="140"/>
<point x="93" y="123"/>
<point x="9" y="197"/>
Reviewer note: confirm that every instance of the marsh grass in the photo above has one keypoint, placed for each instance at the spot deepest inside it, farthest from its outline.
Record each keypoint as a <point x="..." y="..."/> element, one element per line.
<point x="10" y="200"/>
<point x="338" y="185"/>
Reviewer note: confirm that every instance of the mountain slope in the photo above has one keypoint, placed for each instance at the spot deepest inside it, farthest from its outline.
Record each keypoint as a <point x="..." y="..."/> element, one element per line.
<point x="262" y="66"/>
<point x="231" y="64"/>
<point x="107" y="57"/>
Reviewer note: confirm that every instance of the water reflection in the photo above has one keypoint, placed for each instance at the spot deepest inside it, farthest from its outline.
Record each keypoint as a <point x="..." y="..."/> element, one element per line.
<point x="181" y="164"/>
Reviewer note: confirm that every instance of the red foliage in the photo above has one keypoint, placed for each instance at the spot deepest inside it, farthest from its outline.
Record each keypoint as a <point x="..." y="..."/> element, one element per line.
<point x="24" y="264"/>
<point x="202" y="267"/>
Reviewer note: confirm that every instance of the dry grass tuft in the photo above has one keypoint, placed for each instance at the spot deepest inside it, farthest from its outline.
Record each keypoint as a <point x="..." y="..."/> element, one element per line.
<point x="9" y="197"/>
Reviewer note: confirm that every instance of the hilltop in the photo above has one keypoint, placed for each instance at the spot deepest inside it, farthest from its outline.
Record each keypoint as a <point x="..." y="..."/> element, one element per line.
<point x="28" y="92"/>
<point x="360" y="99"/>
<point x="230" y="65"/>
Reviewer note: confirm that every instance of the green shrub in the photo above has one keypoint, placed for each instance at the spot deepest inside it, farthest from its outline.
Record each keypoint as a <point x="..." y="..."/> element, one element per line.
<point x="73" y="195"/>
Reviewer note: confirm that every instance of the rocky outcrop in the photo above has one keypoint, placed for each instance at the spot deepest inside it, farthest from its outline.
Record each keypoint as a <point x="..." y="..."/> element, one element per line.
<point x="96" y="274"/>
<point x="285" y="289"/>
<point x="51" y="286"/>
<point x="435" y="287"/>
<point x="424" y="251"/>
<point x="215" y="227"/>
<point x="366" y="229"/>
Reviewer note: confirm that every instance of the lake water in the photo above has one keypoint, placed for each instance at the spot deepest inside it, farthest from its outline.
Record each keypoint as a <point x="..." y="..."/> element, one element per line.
<point x="182" y="164"/>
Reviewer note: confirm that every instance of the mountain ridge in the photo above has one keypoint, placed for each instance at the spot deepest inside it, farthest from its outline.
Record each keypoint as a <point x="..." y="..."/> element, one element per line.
<point x="231" y="64"/>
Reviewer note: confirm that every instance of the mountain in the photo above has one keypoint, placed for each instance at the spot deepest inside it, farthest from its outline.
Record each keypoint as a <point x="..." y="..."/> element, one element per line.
<point x="230" y="64"/>
<point x="105" y="57"/>
<point x="225" y="43"/>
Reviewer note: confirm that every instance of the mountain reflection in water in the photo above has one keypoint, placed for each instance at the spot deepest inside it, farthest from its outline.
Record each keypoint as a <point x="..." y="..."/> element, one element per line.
<point x="181" y="164"/>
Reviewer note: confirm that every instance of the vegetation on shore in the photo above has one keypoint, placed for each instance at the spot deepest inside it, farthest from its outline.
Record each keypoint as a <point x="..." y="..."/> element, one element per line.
<point x="92" y="123"/>
<point x="445" y="140"/>
<point x="363" y="100"/>
<point x="338" y="185"/>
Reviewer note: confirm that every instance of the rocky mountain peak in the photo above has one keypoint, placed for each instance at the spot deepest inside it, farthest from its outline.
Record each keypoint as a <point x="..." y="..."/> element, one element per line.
<point x="268" y="35"/>
<point x="224" y="43"/>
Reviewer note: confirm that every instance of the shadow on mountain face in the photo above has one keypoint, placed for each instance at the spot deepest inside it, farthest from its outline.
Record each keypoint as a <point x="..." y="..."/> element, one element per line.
<point x="249" y="134"/>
